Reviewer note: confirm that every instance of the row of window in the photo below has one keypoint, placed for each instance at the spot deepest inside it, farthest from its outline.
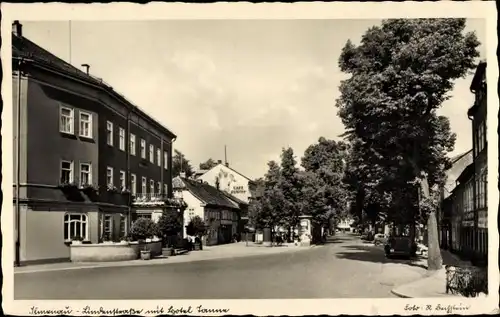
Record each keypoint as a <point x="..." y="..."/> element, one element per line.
<point x="85" y="172"/>
<point x="223" y="215"/>
<point x="465" y="203"/>
<point x="67" y="126"/>
<point x="67" y="116"/>
<point x="481" y="191"/>
<point x="154" y="188"/>
<point x="77" y="225"/>
<point x="67" y="173"/>
<point x="480" y="138"/>
<point x="121" y="135"/>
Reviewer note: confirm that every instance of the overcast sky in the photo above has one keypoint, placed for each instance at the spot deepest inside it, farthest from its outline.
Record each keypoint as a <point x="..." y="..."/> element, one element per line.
<point x="255" y="86"/>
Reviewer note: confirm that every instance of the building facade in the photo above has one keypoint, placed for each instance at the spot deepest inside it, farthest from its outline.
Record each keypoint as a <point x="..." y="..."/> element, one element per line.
<point x="466" y="208"/>
<point x="444" y="217"/>
<point x="79" y="159"/>
<point x="230" y="181"/>
<point x="477" y="113"/>
<point x="219" y="211"/>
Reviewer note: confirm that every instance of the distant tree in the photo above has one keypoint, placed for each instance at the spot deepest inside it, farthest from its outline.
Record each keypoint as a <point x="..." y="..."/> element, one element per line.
<point x="267" y="211"/>
<point x="208" y="164"/>
<point x="327" y="159"/>
<point x="290" y="187"/>
<point x="196" y="227"/>
<point x="315" y="198"/>
<point x="170" y="225"/>
<point x="401" y="74"/>
<point x="181" y="164"/>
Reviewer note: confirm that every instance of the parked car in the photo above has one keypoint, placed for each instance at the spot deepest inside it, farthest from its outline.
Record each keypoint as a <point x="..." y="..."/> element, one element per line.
<point x="368" y="236"/>
<point x="380" y="239"/>
<point x="400" y="246"/>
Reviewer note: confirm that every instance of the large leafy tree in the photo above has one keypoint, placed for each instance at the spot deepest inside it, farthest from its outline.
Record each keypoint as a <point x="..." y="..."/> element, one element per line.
<point x="181" y="164"/>
<point x="268" y="209"/>
<point x="401" y="73"/>
<point x="290" y="187"/>
<point x="324" y="163"/>
<point x="315" y="201"/>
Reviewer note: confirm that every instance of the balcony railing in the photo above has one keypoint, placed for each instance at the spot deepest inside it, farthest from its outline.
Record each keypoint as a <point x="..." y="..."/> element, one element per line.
<point x="156" y="199"/>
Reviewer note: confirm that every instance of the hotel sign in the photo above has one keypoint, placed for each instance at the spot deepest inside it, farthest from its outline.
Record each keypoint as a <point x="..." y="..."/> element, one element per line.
<point x="238" y="190"/>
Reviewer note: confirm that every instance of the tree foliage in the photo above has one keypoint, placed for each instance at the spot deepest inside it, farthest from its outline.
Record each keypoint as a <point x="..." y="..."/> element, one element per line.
<point x="144" y="228"/>
<point x="196" y="227"/>
<point x="208" y="164"/>
<point x="170" y="223"/>
<point x="268" y="208"/>
<point x="324" y="164"/>
<point x="289" y="186"/>
<point x="401" y="73"/>
<point x="181" y="164"/>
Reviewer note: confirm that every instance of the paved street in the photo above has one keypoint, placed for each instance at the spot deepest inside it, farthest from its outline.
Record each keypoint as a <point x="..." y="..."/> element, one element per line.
<point x="343" y="268"/>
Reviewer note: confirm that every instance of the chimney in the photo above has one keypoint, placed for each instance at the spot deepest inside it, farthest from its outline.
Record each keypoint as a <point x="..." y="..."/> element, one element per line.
<point x="219" y="161"/>
<point x="182" y="174"/>
<point x="17" y="28"/>
<point x="87" y="67"/>
<point x="227" y="164"/>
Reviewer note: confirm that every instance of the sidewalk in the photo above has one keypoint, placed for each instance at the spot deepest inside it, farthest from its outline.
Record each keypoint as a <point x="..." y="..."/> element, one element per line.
<point x="226" y="251"/>
<point x="433" y="285"/>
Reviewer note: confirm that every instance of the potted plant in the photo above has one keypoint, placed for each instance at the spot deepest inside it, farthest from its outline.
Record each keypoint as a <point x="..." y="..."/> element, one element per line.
<point x="169" y="225"/>
<point x="196" y="228"/>
<point x="76" y="240"/>
<point x="145" y="253"/>
<point x="143" y="229"/>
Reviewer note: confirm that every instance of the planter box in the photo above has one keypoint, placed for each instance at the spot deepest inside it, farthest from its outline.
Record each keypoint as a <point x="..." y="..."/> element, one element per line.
<point x="102" y="252"/>
<point x="167" y="252"/>
<point x="155" y="247"/>
<point x="145" y="255"/>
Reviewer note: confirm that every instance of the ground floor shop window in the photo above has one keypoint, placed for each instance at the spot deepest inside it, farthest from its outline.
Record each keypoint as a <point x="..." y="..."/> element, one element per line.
<point x="75" y="226"/>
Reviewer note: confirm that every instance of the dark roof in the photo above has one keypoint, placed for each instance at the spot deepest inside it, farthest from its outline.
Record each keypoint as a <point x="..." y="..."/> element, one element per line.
<point x="235" y="199"/>
<point x="456" y="158"/>
<point x="478" y="76"/>
<point x="206" y="193"/>
<point x="459" y="164"/>
<point x="23" y="48"/>
<point x="478" y="80"/>
<point x="467" y="174"/>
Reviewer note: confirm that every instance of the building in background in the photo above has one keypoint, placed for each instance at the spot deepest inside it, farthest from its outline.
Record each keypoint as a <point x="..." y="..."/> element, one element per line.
<point x="477" y="113"/>
<point x="83" y="154"/>
<point x="466" y="207"/>
<point x="234" y="183"/>
<point x="458" y="164"/>
<point x="219" y="211"/>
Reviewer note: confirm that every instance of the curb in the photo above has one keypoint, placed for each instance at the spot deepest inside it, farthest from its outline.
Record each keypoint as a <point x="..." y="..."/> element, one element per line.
<point x="141" y="263"/>
<point x="400" y="295"/>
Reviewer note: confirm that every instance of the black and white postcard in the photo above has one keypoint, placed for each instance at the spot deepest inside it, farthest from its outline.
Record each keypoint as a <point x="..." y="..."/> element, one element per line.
<point x="259" y="159"/>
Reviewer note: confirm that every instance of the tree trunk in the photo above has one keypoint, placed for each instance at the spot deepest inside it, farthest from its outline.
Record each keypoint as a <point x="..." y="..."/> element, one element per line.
<point x="434" y="259"/>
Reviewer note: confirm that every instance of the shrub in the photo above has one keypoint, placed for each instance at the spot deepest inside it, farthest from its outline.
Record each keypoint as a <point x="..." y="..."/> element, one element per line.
<point x="143" y="228"/>
<point x="170" y="224"/>
<point x="196" y="227"/>
<point x="466" y="281"/>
